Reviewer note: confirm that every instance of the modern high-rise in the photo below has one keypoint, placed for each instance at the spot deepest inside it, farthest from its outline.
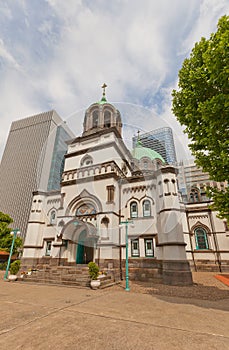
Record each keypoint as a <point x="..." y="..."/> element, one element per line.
<point x="192" y="182"/>
<point x="160" y="140"/>
<point x="32" y="160"/>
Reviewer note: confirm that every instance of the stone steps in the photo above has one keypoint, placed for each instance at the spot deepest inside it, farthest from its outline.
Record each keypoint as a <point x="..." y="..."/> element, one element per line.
<point x="207" y="267"/>
<point x="56" y="283"/>
<point x="61" y="275"/>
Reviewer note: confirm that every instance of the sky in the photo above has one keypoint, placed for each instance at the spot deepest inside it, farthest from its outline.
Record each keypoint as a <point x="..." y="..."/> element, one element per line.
<point x="56" y="54"/>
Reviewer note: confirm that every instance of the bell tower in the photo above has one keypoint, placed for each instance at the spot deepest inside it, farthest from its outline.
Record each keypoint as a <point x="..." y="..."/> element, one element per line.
<point x="101" y="115"/>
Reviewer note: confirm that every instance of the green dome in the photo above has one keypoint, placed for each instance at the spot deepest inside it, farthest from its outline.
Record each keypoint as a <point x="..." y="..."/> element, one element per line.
<point x="102" y="101"/>
<point x="139" y="152"/>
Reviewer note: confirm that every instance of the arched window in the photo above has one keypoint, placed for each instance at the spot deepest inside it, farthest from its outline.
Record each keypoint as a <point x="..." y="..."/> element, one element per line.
<point x="174" y="185"/>
<point x="86" y="161"/>
<point x="133" y="210"/>
<point x="52" y="217"/>
<point x="48" y="248"/>
<point x="146" y="208"/>
<point x="104" y="227"/>
<point x="166" y="182"/>
<point x="86" y="209"/>
<point x="201" y="238"/>
<point x="95" y="119"/>
<point x="194" y="195"/>
<point x="107" y="119"/>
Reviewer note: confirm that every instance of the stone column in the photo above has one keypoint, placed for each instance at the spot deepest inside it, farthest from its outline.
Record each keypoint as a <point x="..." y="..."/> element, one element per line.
<point x="175" y="266"/>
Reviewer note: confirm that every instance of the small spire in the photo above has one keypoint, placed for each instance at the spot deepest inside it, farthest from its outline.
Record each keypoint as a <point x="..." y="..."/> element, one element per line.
<point x="103" y="99"/>
<point x="104" y="87"/>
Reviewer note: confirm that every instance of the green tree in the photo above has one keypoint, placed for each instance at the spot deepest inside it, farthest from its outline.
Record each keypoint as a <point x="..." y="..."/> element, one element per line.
<point x="201" y="104"/>
<point x="5" y="236"/>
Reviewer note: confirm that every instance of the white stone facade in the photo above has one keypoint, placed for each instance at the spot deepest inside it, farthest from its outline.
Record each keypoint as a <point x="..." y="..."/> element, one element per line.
<point x="101" y="187"/>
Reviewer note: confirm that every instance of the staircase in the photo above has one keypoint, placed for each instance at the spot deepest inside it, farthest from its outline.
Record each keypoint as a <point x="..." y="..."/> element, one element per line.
<point x="74" y="276"/>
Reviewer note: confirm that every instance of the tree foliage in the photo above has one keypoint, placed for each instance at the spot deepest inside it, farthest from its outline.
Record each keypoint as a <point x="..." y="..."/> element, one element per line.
<point x="5" y="236"/>
<point x="201" y="104"/>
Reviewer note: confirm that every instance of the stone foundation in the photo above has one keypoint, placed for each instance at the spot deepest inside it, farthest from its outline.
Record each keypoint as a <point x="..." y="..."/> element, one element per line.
<point x="176" y="273"/>
<point x="141" y="269"/>
<point x="209" y="265"/>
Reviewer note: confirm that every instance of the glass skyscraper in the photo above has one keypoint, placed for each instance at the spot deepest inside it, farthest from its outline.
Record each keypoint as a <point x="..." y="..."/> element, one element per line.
<point x="160" y="140"/>
<point x="32" y="160"/>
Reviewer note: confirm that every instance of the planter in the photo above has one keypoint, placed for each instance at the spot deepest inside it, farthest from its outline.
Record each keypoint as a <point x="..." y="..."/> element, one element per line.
<point x="12" y="277"/>
<point x="95" y="284"/>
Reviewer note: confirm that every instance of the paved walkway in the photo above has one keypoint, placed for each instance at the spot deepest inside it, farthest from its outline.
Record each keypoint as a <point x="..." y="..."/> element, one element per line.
<point x="52" y="317"/>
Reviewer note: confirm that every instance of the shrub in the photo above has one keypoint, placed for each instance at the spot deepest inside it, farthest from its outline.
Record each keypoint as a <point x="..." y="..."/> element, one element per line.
<point x="15" y="267"/>
<point x="3" y="265"/>
<point x="93" y="270"/>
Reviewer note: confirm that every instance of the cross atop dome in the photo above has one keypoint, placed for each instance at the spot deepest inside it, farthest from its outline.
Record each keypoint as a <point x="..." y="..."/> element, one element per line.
<point x="103" y="99"/>
<point x="104" y="87"/>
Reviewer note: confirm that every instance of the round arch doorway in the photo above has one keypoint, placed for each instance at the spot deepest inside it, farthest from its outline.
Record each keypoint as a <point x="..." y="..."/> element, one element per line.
<point x="85" y="248"/>
<point x="84" y="236"/>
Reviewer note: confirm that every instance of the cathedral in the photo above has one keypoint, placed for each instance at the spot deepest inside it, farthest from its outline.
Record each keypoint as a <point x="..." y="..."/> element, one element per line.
<point x="112" y="202"/>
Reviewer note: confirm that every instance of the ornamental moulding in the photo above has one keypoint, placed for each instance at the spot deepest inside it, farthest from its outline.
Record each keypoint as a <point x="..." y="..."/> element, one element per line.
<point x="52" y="201"/>
<point x="138" y="188"/>
<point x="198" y="217"/>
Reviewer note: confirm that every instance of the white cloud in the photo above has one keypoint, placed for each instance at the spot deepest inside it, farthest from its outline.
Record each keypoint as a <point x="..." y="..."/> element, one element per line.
<point x="7" y="56"/>
<point x="5" y="10"/>
<point x="63" y="51"/>
<point x="206" y="21"/>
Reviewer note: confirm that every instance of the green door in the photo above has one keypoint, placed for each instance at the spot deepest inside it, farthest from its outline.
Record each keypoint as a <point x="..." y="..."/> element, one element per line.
<point x="80" y="248"/>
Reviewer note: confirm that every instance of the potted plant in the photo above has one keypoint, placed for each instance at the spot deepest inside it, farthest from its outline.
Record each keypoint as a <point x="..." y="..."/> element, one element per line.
<point x="93" y="270"/>
<point x="14" y="268"/>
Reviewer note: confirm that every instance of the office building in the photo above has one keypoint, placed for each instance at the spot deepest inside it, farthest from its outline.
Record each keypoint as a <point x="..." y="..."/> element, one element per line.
<point x="32" y="160"/>
<point x="192" y="182"/>
<point x="160" y="140"/>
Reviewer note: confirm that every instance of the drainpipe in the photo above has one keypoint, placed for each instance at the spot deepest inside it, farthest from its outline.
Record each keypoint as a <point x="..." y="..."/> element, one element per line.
<point x="218" y="257"/>
<point x="119" y="233"/>
<point x="189" y="233"/>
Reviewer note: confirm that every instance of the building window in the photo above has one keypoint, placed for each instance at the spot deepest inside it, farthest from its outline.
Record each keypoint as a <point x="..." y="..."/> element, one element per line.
<point x="146" y="208"/>
<point x="48" y="248"/>
<point x="53" y="217"/>
<point x="145" y="164"/>
<point x="110" y="193"/>
<point x="201" y="238"/>
<point x="104" y="227"/>
<point x="107" y="119"/>
<point x="86" y="209"/>
<point x="194" y="195"/>
<point x="149" y="247"/>
<point x="166" y="182"/>
<point x="135" y="247"/>
<point x="133" y="210"/>
<point x="95" y="119"/>
<point x="86" y="161"/>
<point x="174" y="186"/>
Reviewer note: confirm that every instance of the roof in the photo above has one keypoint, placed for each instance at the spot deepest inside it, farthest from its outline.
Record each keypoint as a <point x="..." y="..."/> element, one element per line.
<point x="139" y="152"/>
<point x="102" y="101"/>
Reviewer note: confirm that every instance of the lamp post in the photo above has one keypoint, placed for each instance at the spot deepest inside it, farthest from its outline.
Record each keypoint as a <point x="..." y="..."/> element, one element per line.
<point x="15" y="233"/>
<point x="126" y="223"/>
